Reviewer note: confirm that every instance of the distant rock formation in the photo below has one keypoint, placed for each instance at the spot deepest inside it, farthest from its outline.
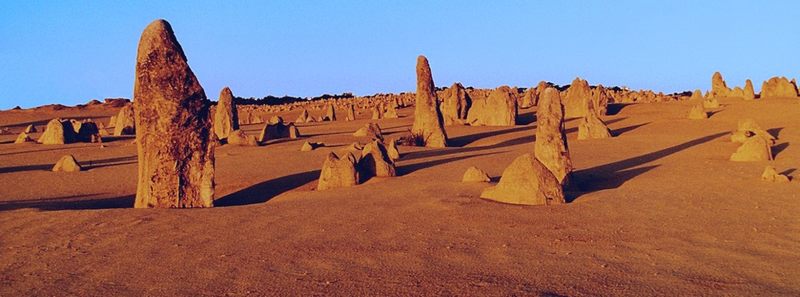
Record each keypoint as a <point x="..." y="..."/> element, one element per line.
<point x="456" y="105"/>
<point x="371" y="130"/>
<point x="698" y="112"/>
<point x="330" y="113"/>
<point x="748" y="93"/>
<point x="600" y="99"/>
<point x="276" y="129"/>
<point x="239" y="137"/>
<point x="351" y="113"/>
<point x="577" y="99"/>
<point x="718" y="86"/>
<point x="125" y="123"/>
<point x="174" y="136"/>
<point x="226" y="117"/>
<point x="778" y="87"/>
<point x="499" y="109"/>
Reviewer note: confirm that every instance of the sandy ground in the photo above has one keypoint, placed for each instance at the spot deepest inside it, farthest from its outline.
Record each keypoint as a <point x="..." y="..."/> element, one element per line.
<point x="660" y="211"/>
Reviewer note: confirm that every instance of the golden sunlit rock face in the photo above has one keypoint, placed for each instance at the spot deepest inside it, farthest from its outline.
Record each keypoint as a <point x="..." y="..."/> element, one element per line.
<point x="428" y="125"/>
<point x="173" y="127"/>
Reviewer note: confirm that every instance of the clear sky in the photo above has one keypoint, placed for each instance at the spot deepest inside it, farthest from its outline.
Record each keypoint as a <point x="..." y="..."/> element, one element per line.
<point x="72" y="51"/>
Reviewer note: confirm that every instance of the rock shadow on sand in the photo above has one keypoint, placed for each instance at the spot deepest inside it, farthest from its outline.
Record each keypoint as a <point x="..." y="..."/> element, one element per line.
<point x="614" y="175"/>
<point x="74" y="202"/>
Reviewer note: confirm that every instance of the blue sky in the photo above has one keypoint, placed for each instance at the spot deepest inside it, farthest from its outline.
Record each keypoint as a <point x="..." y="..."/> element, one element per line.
<point x="72" y="51"/>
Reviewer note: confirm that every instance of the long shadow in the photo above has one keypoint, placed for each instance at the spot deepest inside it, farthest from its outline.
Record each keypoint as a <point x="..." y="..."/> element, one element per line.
<point x="779" y="148"/>
<point x="775" y="132"/>
<point x="26" y="168"/>
<point x="615" y="108"/>
<point x="526" y="118"/>
<point x="32" y="151"/>
<point x="87" y="165"/>
<point x="39" y="124"/>
<point x="264" y="191"/>
<point x="70" y="203"/>
<point x="406" y="169"/>
<point x="613" y="175"/>
<point x="623" y="130"/>
<point x="470" y="138"/>
<point x="118" y="138"/>
<point x="457" y="150"/>
<point x="712" y="113"/>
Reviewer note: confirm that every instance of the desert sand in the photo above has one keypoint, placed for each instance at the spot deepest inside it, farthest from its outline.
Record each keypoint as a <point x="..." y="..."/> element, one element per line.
<point x="659" y="209"/>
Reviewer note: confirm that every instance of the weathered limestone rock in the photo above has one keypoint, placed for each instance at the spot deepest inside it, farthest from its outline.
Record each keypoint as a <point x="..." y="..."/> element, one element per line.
<point x="456" y="105"/>
<point x="392" y="151"/>
<point x="577" y="99"/>
<point x="174" y="136"/>
<point x="755" y="148"/>
<point x="499" y="109"/>
<point x="718" y="86"/>
<point x="736" y="92"/>
<point x="310" y="146"/>
<point x="711" y="103"/>
<point x="747" y="128"/>
<point x="30" y="129"/>
<point x="239" y="137"/>
<point x="375" y="161"/>
<point x="475" y="175"/>
<point x="303" y="117"/>
<point x="112" y="121"/>
<point x="592" y="127"/>
<point x="23" y="138"/>
<point x="338" y="173"/>
<point x="330" y="113"/>
<point x="748" y="93"/>
<point x="778" y="87"/>
<point x="371" y="130"/>
<point x="67" y="164"/>
<point x="88" y="132"/>
<point x="226" y="118"/>
<point x="277" y="130"/>
<point x="698" y="112"/>
<point x="377" y="112"/>
<point x="771" y="175"/>
<point x="551" y="147"/>
<point x="428" y="127"/>
<point x="697" y="95"/>
<point x="76" y="125"/>
<point x="391" y="113"/>
<point x="351" y="113"/>
<point x="57" y="132"/>
<point x="125" y="123"/>
<point x="600" y="99"/>
<point x="526" y="181"/>
<point x="529" y="98"/>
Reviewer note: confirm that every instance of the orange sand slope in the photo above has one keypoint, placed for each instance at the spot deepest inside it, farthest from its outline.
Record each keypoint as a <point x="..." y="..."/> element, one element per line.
<point x="660" y="211"/>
